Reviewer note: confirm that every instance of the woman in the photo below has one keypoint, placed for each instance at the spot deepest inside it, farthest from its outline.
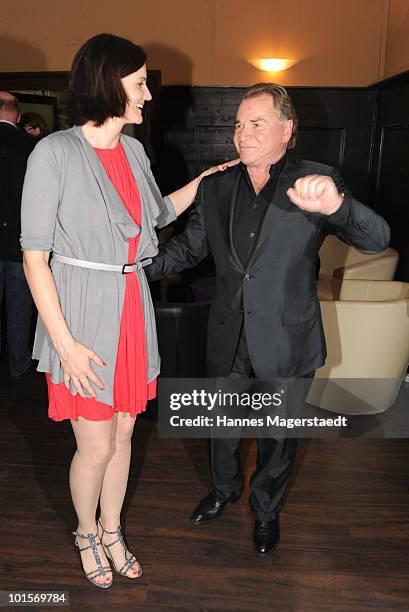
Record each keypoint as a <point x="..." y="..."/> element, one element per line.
<point x="90" y="198"/>
<point x="34" y="125"/>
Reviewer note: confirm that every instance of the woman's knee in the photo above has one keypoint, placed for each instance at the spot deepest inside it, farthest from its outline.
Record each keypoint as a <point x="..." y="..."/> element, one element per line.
<point x="124" y="431"/>
<point x="97" y="454"/>
<point x="95" y="441"/>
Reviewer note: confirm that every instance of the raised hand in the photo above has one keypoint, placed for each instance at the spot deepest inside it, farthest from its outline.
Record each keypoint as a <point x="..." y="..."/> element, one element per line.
<point x="316" y="193"/>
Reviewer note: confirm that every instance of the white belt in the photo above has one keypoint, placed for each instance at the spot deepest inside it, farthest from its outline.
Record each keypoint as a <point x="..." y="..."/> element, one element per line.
<point x="81" y="263"/>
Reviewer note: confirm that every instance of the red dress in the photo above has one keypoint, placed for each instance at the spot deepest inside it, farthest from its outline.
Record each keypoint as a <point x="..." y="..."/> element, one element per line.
<point x="131" y="387"/>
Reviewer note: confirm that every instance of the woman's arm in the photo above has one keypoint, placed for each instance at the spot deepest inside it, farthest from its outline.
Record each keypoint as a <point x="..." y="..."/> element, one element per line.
<point x="182" y="198"/>
<point x="75" y="358"/>
<point x="185" y="250"/>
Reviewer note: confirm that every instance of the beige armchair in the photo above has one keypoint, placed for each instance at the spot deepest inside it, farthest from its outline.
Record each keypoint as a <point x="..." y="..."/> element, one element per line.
<point x="340" y="261"/>
<point x="367" y="334"/>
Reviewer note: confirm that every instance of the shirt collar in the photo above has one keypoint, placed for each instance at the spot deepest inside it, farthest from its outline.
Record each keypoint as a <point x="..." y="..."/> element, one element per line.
<point x="274" y="171"/>
<point x="10" y="122"/>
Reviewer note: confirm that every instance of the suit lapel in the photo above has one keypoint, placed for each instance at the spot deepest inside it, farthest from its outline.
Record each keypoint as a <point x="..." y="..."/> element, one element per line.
<point x="226" y="196"/>
<point x="233" y="204"/>
<point x="279" y="205"/>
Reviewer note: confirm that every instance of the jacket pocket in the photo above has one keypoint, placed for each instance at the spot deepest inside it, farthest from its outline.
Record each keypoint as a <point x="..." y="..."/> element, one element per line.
<point x="219" y="312"/>
<point x="300" y="312"/>
<point x="290" y="222"/>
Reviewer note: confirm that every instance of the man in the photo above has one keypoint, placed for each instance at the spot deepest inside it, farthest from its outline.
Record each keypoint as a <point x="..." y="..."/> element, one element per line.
<point x="264" y="221"/>
<point x="15" y="147"/>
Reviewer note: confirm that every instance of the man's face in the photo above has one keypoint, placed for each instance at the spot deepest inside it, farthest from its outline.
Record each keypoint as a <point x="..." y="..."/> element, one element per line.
<point x="260" y="135"/>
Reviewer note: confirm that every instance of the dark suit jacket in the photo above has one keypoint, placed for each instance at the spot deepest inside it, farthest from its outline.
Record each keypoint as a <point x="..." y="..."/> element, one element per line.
<point x="15" y="147"/>
<point x="275" y="292"/>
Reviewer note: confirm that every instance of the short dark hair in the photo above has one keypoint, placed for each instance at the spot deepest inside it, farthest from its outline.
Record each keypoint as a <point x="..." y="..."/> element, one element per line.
<point x="95" y="91"/>
<point x="35" y="120"/>
<point x="281" y="101"/>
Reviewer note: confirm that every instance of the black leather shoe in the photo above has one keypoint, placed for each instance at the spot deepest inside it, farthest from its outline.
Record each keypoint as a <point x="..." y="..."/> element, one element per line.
<point x="266" y="536"/>
<point x="211" y="507"/>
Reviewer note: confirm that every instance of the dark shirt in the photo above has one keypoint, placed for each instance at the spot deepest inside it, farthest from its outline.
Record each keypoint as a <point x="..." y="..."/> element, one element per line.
<point x="15" y="147"/>
<point x="250" y="209"/>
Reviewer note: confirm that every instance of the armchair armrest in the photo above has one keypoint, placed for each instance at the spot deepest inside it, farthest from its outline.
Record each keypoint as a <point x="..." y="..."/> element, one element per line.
<point x="382" y="267"/>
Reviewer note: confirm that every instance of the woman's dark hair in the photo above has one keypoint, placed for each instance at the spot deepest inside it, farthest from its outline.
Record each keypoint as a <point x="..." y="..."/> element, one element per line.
<point x="34" y="120"/>
<point x="95" y="91"/>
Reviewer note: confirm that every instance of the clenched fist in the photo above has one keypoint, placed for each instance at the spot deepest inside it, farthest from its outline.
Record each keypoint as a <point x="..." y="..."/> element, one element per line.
<point x="316" y="193"/>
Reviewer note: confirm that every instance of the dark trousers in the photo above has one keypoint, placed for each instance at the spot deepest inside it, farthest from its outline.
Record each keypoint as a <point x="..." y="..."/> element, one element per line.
<point x="275" y="457"/>
<point x="19" y="310"/>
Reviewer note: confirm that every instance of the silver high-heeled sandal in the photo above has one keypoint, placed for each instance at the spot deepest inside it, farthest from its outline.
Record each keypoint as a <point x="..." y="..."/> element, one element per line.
<point x="129" y="561"/>
<point x="101" y="569"/>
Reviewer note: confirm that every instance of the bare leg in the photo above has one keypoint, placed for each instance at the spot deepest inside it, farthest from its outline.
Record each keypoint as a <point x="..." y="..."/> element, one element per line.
<point x="95" y="447"/>
<point x="113" y="490"/>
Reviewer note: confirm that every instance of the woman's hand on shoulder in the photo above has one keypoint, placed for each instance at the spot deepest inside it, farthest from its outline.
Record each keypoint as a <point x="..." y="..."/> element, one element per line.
<point x="76" y="362"/>
<point x="182" y="198"/>
<point x="220" y="167"/>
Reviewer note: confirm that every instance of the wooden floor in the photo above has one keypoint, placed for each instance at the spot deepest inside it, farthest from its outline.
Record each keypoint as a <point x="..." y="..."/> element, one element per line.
<point x="345" y="527"/>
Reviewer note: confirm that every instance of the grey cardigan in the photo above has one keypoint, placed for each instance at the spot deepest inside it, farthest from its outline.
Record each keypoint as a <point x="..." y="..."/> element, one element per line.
<point x="70" y="207"/>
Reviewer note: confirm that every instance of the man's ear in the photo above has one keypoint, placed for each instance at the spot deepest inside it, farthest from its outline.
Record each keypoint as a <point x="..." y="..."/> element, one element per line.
<point x="288" y="130"/>
<point x="18" y="118"/>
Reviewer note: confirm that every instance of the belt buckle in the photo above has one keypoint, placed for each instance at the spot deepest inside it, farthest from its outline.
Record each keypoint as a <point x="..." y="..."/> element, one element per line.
<point x="125" y="266"/>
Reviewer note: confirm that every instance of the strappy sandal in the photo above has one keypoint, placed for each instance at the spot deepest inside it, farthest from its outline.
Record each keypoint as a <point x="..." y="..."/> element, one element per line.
<point x="129" y="561"/>
<point x="101" y="569"/>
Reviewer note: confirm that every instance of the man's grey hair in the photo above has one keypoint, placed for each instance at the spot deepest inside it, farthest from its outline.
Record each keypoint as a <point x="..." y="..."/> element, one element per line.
<point x="282" y="103"/>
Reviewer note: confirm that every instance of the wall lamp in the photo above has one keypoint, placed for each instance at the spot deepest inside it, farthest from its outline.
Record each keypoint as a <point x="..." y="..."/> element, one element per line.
<point x="272" y="64"/>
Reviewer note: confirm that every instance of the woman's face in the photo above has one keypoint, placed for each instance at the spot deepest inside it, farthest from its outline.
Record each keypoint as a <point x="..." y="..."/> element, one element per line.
<point x="32" y="131"/>
<point x="138" y="93"/>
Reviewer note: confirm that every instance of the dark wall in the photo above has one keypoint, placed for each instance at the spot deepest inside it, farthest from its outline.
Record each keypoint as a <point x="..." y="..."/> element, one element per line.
<point x="391" y="164"/>
<point x="336" y="127"/>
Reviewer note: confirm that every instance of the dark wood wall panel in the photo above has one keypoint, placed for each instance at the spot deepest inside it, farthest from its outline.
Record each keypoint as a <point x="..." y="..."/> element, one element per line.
<point x="327" y="143"/>
<point x="336" y="127"/>
<point x="197" y="130"/>
<point x="391" y="165"/>
<point x="213" y="143"/>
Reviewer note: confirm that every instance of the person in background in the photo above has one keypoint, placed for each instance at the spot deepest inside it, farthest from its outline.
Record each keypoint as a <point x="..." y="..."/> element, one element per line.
<point x="15" y="147"/>
<point x="91" y="199"/>
<point x="34" y="125"/>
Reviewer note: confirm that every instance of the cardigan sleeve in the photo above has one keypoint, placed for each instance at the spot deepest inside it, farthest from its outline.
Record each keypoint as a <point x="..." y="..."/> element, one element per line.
<point x="40" y="199"/>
